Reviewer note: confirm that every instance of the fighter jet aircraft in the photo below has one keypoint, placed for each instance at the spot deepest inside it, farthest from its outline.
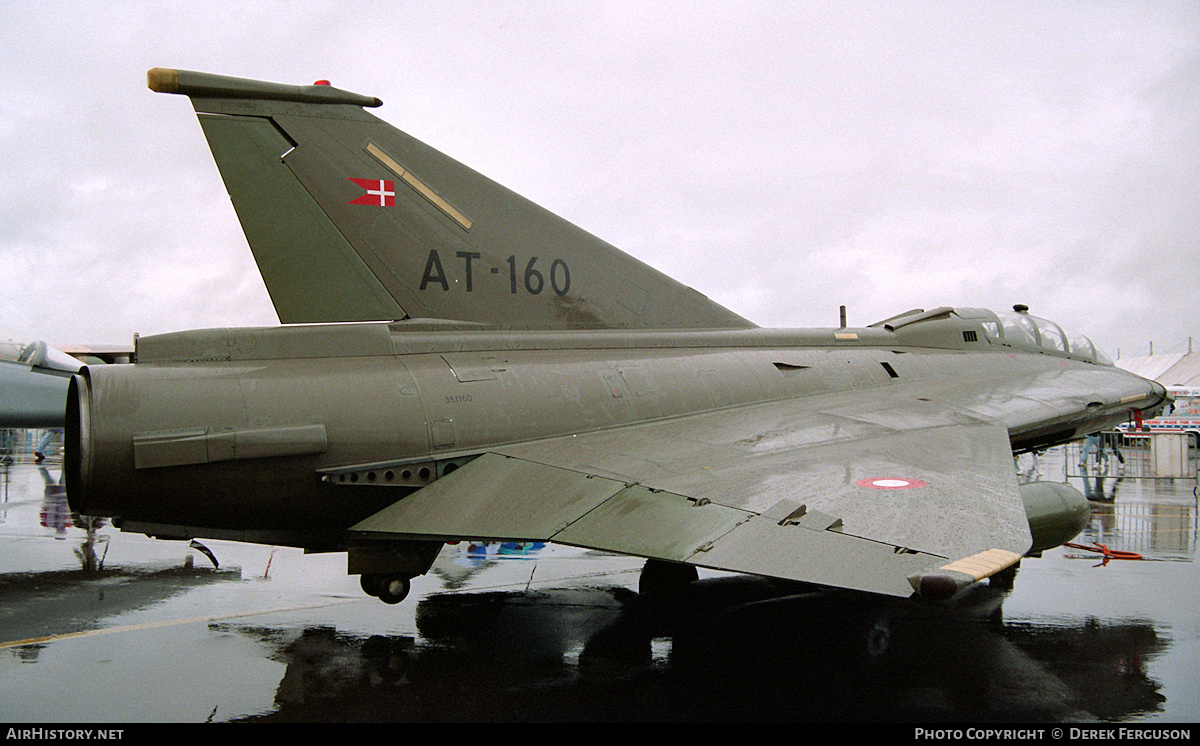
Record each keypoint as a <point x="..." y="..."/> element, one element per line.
<point x="34" y="377"/>
<point x="33" y="382"/>
<point x="474" y="367"/>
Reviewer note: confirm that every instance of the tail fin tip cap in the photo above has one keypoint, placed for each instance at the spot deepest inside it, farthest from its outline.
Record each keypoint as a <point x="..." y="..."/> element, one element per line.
<point x="207" y="85"/>
<point x="163" y="80"/>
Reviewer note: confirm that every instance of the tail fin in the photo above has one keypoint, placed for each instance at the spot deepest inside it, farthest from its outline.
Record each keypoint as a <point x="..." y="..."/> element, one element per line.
<point x="350" y="219"/>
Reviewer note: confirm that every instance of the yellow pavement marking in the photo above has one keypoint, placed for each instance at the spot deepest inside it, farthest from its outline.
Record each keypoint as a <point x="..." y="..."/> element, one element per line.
<point x="164" y="623"/>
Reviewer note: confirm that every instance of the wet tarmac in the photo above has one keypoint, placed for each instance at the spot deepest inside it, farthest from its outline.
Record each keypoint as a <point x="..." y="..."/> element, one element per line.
<point x="104" y="627"/>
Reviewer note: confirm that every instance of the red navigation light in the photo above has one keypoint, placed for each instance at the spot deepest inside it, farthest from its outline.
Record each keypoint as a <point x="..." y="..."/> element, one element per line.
<point x="322" y="82"/>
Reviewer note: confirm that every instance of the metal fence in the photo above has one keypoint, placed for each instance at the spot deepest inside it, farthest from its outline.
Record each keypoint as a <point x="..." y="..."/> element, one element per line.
<point x="1117" y="457"/>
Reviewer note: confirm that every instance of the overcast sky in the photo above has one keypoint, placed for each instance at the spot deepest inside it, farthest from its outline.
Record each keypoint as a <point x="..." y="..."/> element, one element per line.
<point x="782" y="158"/>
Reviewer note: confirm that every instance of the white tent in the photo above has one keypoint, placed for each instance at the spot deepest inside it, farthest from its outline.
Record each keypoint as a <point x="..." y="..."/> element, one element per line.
<point x="1173" y="369"/>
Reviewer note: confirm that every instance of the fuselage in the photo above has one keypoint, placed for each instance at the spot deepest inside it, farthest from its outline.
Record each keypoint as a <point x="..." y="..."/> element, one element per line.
<point x="248" y="433"/>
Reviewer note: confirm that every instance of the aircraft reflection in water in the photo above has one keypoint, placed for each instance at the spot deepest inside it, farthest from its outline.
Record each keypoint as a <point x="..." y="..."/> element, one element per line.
<point x="47" y="592"/>
<point x="537" y="633"/>
<point x="510" y="377"/>
<point x="737" y="653"/>
<point x="56" y="515"/>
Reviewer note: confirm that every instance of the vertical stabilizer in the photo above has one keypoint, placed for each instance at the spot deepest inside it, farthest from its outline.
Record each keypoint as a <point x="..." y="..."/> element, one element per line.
<point x="350" y="219"/>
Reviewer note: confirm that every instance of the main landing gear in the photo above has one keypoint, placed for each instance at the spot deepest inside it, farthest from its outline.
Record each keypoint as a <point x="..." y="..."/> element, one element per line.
<point x="386" y="568"/>
<point x="661" y="579"/>
<point x="391" y="589"/>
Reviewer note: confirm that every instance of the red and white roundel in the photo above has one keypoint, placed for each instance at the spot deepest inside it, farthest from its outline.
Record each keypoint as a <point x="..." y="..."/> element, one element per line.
<point x="889" y="483"/>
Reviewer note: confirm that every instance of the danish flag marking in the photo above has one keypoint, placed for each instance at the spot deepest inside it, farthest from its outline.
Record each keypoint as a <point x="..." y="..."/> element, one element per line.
<point x="380" y="193"/>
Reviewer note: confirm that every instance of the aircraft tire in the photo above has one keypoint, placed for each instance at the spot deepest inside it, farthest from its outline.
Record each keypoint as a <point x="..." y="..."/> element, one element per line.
<point x="393" y="589"/>
<point x="660" y="578"/>
<point x="369" y="583"/>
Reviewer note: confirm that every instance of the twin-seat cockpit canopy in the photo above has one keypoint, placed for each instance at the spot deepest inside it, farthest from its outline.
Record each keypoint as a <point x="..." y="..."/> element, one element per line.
<point x="1021" y="327"/>
<point x="1016" y="328"/>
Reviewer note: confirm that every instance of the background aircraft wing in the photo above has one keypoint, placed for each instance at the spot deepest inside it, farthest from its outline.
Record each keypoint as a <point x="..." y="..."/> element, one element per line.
<point x="33" y="382"/>
<point x="814" y="490"/>
<point x="34" y="377"/>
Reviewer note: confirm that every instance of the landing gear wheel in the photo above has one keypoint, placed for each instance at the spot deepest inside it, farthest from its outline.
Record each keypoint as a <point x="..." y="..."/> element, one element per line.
<point x="369" y="582"/>
<point x="392" y="589"/>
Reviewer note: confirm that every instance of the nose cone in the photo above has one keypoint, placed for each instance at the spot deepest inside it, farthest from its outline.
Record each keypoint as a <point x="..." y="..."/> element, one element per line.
<point x="1163" y="396"/>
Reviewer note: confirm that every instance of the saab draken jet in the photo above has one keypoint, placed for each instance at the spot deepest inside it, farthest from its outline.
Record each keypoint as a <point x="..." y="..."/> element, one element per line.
<point x="457" y="363"/>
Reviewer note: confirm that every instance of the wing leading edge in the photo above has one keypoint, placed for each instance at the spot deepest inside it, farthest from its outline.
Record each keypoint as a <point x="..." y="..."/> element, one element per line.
<point x="765" y="490"/>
